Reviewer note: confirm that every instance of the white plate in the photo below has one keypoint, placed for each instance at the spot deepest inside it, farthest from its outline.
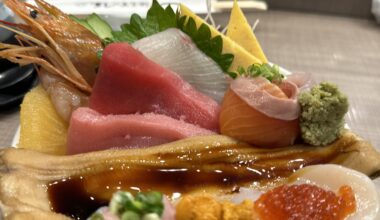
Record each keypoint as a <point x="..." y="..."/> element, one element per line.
<point x="16" y="137"/>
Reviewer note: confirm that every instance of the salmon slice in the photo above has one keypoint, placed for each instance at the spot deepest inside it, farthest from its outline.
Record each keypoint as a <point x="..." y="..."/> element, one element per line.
<point x="240" y="120"/>
<point x="271" y="89"/>
<point x="268" y="98"/>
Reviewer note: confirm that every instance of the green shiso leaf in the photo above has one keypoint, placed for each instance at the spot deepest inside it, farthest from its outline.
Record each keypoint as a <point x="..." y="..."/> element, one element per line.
<point x="211" y="46"/>
<point x="159" y="19"/>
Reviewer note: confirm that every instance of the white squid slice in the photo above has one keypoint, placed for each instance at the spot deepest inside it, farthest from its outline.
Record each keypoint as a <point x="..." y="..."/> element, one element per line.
<point x="174" y="50"/>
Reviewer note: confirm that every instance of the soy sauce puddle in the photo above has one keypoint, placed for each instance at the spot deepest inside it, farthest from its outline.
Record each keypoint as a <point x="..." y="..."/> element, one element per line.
<point x="80" y="196"/>
<point x="69" y="198"/>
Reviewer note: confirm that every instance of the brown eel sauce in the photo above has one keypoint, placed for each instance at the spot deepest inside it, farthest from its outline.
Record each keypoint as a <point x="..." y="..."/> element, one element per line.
<point x="79" y="196"/>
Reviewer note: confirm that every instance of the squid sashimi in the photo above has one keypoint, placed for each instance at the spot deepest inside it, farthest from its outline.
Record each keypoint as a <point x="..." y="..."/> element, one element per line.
<point x="260" y="113"/>
<point x="92" y="131"/>
<point x="176" y="51"/>
<point x="128" y="83"/>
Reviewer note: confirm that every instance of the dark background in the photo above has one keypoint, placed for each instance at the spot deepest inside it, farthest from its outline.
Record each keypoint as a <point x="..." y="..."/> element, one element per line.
<point x="355" y="8"/>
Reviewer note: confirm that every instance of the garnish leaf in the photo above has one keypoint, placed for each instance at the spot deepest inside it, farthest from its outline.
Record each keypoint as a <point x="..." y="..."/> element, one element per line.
<point x="158" y="19"/>
<point x="96" y="25"/>
<point x="82" y="22"/>
<point x="211" y="46"/>
<point x="272" y="73"/>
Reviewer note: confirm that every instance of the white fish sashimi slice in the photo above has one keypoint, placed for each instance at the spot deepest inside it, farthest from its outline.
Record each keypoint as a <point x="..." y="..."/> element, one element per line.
<point x="332" y="177"/>
<point x="174" y="50"/>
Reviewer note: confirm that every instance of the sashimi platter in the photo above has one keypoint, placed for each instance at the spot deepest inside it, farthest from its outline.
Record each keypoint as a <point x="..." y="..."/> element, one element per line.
<point x="170" y="118"/>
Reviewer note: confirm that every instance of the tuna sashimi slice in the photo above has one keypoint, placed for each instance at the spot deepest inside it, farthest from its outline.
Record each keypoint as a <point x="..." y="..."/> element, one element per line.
<point x="176" y="51"/>
<point x="92" y="131"/>
<point x="128" y="82"/>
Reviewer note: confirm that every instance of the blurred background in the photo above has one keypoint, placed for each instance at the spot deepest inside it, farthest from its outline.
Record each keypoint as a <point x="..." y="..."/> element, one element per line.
<point x="124" y="8"/>
<point x="335" y="40"/>
<point x="358" y="8"/>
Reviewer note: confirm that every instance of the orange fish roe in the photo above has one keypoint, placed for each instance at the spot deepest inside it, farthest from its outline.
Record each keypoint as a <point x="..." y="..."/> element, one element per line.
<point x="305" y="202"/>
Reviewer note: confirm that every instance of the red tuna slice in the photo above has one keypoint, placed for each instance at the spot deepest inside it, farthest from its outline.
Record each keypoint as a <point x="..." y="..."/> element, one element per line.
<point x="92" y="131"/>
<point x="128" y="82"/>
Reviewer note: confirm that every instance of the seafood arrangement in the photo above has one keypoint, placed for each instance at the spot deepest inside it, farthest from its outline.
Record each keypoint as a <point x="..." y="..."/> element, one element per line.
<point x="168" y="118"/>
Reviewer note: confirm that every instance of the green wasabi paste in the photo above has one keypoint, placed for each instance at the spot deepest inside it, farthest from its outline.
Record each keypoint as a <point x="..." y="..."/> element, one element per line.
<point x="322" y="114"/>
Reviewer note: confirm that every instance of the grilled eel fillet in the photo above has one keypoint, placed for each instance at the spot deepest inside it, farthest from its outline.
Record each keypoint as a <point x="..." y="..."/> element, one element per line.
<point x="25" y="175"/>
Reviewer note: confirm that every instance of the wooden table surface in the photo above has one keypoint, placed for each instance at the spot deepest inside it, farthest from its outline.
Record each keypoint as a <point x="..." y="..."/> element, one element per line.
<point x="343" y="50"/>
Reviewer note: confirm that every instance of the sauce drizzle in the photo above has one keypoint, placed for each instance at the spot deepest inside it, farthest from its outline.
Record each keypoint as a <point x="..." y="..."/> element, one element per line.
<point x="80" y="196"/>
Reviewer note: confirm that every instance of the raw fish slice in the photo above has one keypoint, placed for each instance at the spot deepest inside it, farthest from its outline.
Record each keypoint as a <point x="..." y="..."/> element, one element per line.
<point x="267" y="98"/>
<point x="91" y="131"/>
<point x="302" y="80"/>
<point x="174" y="50"/>
<point x="128" y="82"/>
<point x="243" y="122"/>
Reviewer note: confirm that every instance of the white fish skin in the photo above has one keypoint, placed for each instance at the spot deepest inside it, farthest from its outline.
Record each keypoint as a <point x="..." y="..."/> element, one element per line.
<point x="174" y="50"/>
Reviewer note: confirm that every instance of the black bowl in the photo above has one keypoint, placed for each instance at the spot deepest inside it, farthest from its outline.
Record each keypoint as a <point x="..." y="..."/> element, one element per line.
<point x="13" y="94"/>
<point x="11" y="74"/>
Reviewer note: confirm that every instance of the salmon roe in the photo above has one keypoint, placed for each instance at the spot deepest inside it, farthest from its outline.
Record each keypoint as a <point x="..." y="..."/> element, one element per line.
<point x="305" y="202"/>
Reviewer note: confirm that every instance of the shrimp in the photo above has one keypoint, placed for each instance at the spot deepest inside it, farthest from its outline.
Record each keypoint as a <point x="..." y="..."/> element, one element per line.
<point x="65" y="98"/>
<point x="68" y="46"/>
<point x="65" y="51"/>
